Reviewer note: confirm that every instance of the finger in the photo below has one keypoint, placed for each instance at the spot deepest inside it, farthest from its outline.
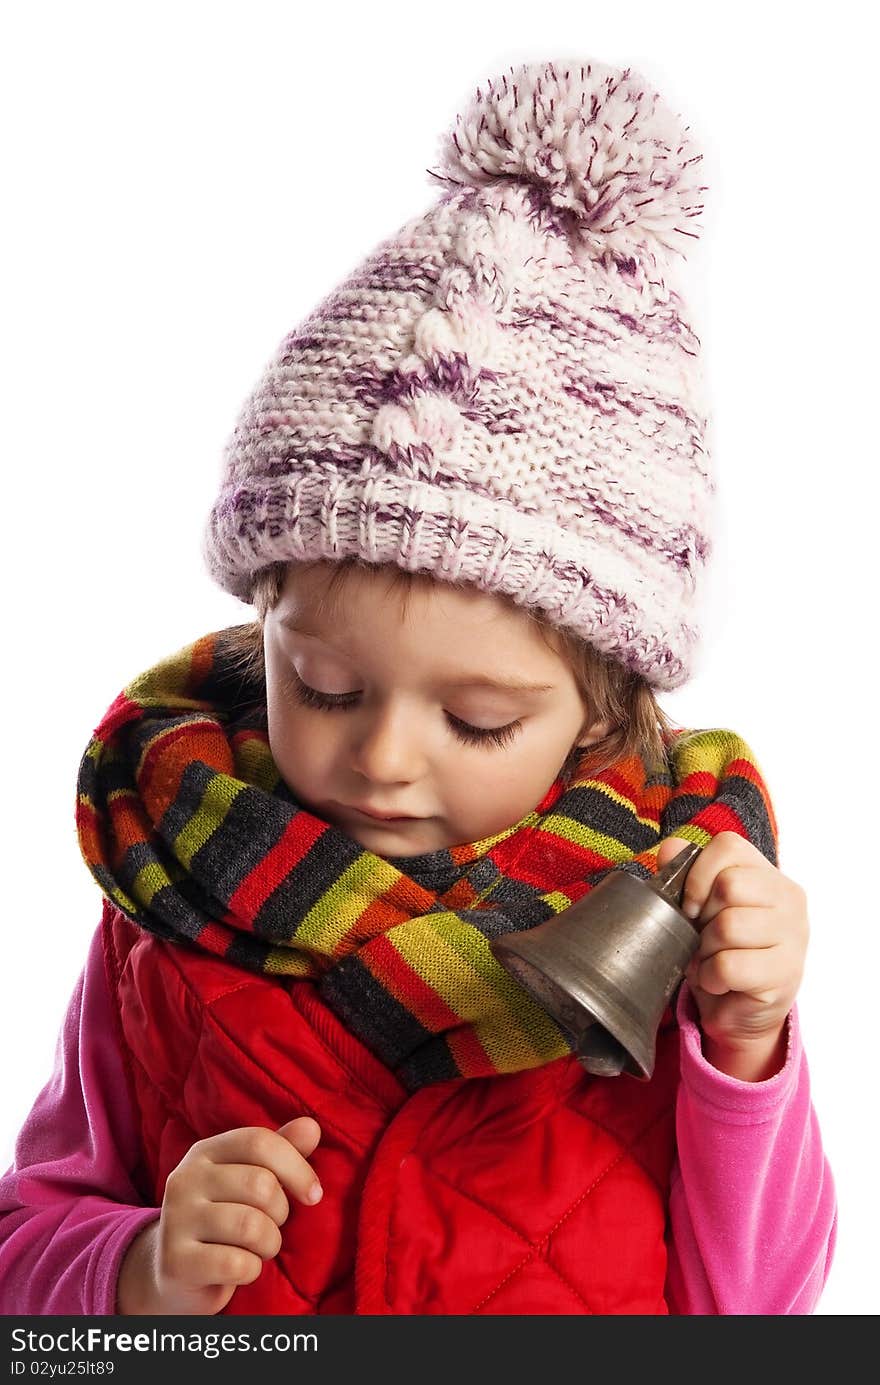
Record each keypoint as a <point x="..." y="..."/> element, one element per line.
<point x="727" y="848"/>
<point x="670" y="847"/>
<point x="742" y="885"/>
<point x="248" y="1184"/>
<point x="236" y="1224"/>
<point x="754" y="928"/>
<point x="303" y="1132"/>
<point x="198" y="1264"/>
<point x="256" y="1144"/>
<point x="754" y="972"/>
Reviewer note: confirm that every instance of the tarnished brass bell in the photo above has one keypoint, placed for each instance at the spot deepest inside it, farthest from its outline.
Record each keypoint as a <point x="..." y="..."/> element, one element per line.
<point x="605" y="968"/>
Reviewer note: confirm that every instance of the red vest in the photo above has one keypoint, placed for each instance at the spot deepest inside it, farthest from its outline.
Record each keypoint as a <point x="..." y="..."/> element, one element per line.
<point x="542" y="1191"/>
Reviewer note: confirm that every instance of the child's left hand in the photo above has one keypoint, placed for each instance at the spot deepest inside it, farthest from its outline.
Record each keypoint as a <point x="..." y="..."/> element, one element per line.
<point x="748" y="967"/>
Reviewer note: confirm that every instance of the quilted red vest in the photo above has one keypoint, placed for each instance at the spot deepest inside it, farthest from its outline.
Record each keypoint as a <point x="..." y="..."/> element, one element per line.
<point x="543" y="1191"/>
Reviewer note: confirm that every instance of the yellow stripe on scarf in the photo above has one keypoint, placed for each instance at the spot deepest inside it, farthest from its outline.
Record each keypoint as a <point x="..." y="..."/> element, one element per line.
<point x="220" y="793"/>
<point x="341" y="906"/>
<point x="454" y="959"/>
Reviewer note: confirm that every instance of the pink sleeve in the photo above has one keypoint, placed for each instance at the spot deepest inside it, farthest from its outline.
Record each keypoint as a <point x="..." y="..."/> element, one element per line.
<point x="753" y="1212"/>
<point x="68" y="1205"/>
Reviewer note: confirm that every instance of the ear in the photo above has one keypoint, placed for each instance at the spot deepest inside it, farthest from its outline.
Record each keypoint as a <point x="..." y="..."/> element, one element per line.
<point x="596" y="732"/>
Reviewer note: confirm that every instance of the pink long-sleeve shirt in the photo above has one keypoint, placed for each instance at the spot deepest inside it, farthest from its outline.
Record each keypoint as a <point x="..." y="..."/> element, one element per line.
<point x="752" y="1206"/>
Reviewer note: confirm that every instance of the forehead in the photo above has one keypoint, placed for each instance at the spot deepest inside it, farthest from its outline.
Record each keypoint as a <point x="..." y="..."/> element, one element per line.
<point x="460" y="626"/>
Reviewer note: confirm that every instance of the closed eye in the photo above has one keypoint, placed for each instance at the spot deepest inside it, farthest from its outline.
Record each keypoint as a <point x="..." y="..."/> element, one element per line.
<point x="497" y="736"/>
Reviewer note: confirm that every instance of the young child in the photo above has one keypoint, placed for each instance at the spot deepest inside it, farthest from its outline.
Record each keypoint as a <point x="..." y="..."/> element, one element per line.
<point x="469" y="501"/>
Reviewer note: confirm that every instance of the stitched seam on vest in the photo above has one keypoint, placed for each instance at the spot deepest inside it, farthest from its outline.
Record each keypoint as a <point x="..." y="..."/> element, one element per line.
<point x="626" y="1149"/>
<point x="630" y="1148"/>
<point x="518" y="1270"/>
<point x="112" y="964"/>
<point x="173" y="1107"/>
<point x="334" y="1056"/>
<point x="286" y="1091"/>
<point x="140" y="1176"/>
<point x="535" y="1246"/>
<point x="355" y="1077"/>
<point x="187" y="1064"/>
<point x="176" y="1108"/>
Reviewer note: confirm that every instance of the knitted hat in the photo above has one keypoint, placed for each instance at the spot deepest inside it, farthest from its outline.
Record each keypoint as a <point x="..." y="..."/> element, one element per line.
<point x="506" y="392"/>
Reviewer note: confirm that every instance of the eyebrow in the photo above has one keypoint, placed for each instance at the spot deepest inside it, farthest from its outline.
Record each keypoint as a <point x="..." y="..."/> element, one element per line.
<point x="477" y="680"/>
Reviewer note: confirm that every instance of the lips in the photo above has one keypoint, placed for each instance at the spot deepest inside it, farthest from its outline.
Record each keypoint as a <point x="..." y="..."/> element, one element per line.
<point x="384" y="817"/>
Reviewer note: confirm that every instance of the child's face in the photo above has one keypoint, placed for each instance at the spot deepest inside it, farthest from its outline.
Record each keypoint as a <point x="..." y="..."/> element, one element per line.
<point x="395" y="746"/>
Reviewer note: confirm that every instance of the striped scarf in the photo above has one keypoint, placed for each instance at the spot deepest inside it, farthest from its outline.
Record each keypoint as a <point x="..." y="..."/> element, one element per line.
<point x="187" y="826"/>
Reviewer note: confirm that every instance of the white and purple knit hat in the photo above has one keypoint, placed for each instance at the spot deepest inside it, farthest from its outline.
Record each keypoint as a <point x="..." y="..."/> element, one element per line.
<point x="506" y="392"/>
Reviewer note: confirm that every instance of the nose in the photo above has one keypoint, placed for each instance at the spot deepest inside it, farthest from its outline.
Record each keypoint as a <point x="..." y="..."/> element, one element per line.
<point x="387" y="746"/>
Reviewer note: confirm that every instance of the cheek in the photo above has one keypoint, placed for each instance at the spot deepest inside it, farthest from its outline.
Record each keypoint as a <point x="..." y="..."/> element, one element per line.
<point x="290" y="738"/>
<point x="303" y="754"/>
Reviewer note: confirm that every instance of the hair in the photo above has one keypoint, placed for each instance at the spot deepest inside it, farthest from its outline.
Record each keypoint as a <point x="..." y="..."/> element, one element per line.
<point x="610" y="692"/>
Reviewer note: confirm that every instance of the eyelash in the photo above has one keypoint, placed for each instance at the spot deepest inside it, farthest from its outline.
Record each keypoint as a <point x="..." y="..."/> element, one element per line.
<point x="499" y="737"/>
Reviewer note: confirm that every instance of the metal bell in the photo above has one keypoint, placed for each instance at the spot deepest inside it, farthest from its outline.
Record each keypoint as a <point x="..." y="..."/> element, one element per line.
<point x="605" y="968"/>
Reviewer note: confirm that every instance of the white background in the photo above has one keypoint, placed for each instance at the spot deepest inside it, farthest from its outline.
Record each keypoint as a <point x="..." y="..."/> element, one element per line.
<point x="185" y="181"/>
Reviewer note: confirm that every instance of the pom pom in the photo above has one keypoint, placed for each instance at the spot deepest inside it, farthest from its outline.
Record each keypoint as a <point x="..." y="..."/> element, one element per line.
<point x="597" y="144"/>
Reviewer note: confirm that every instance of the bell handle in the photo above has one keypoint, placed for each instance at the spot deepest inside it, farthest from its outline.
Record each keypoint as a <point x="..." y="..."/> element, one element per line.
<point x="669" y="880"/>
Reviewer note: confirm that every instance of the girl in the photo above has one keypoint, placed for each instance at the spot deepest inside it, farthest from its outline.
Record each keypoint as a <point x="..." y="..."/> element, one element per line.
<point x="469" y="502"/>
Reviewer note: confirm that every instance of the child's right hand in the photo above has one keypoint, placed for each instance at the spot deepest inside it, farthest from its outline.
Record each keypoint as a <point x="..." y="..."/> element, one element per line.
<point x="220" y="1219"/>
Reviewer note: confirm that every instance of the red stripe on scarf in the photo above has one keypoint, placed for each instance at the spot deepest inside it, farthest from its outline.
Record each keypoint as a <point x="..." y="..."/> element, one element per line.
<point x="217" y="938"/>
<point x="121" y="710"/>
<point x="88" y="832"/>
<point x="161" y="770"/>
<point x="295" y="842"/>
<point x="468" y="1053"/>
<point x="130" y="824"/>
<point x="395" y="905"/>
<point x="397" y="976"/>
<point x="571" y="861"/>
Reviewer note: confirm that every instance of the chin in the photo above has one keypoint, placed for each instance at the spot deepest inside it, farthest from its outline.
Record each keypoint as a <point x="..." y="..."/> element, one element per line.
<point x="387" y="840"/>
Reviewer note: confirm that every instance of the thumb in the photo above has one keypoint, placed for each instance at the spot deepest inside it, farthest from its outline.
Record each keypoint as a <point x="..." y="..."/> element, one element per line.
<point x="303" y="1132"/>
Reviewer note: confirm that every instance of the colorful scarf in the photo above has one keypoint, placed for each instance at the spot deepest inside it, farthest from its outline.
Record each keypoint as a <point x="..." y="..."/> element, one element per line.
<point x="187" y="826"/>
